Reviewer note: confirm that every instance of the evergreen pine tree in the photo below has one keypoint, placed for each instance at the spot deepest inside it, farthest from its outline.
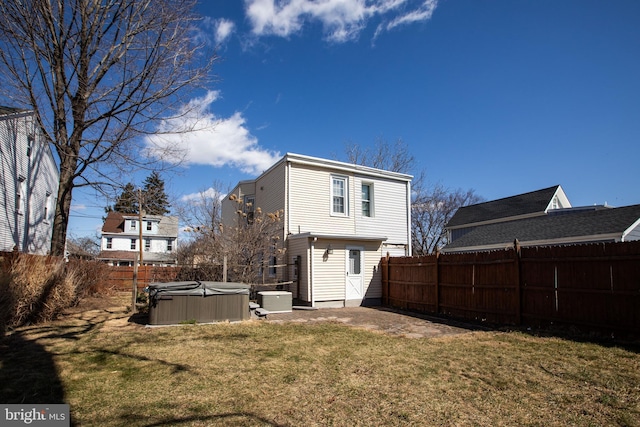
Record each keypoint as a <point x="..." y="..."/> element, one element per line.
<point x="127" y="202"/>
<point x="155" y="200"/>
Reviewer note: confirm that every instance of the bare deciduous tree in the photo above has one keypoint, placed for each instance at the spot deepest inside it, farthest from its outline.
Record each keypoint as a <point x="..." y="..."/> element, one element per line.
<point x="432" y="206"/>
<point x="395" y="158"/>
<point x="251" y="241"/>
<point x="98" y="74"/>
<point x="431" y="210"/>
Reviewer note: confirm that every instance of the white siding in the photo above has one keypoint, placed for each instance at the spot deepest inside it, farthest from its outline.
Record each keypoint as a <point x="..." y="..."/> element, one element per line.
<point x="28" y="168"/>
<point x="329" y="280"/>
<point x="270" y="189"/>
<point x="310" y="205"/>
<point x="310" y="202"/>
<point x="330" y="269"/>
<point x="389" y="210"/>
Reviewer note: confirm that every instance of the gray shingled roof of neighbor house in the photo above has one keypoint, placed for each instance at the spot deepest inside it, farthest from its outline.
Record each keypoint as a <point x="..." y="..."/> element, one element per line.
<point x="522" y="204"/>
<point x="570" y="225"/>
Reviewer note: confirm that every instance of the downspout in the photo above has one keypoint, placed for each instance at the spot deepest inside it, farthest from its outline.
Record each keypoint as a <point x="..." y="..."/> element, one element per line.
<point x="287" y="204"/>
<point x="410" y="249"/>
<point x="312" y="245"/>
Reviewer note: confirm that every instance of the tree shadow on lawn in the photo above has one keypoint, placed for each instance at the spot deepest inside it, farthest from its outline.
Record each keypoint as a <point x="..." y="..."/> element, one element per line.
<point x="28" y="373"/>
<point x="246" y="417"/>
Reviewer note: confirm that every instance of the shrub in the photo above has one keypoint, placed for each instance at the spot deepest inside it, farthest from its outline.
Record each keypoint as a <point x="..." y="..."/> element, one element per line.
<point x="36" y="288"/>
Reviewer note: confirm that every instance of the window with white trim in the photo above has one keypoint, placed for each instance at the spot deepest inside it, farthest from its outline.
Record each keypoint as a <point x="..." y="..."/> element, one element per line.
<point x="109" y="242"/>
<point x="147" y="245"/>
<point x="133" y="224"/>
<point x="133" y="244"/>
<point x="169" y="245"/>
<point x="339" y="201"/>
<point x="367" y="198"/>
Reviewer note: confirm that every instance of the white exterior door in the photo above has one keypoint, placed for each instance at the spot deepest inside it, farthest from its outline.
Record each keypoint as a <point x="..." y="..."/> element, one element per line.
<point x="354" y="270"/>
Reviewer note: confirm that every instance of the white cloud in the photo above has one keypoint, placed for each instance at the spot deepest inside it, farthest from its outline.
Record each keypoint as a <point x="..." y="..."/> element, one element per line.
<point x="209" y="193"/>
<point x="342" y="20"/>
<point x="223" y="28"/>
<point x="210" y="140"/>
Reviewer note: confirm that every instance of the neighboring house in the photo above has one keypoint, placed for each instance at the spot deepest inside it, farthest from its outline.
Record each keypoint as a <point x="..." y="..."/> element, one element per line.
<point x="120" y="242"/>
<point x="28" y="182"/>
<point x="539" y="218"/>
<point x="339" y="219"/>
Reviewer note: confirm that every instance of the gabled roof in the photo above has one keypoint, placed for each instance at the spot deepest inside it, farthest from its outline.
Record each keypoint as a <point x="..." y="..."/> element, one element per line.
<point x="527" y="204"/>
<point x="572" y="226"/>
<point x="114" y="223"/>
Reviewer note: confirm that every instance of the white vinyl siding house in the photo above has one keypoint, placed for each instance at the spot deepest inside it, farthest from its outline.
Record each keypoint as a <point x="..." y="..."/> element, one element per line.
<point x="28" y="182"/>
<point x="333" y="211"/>
<point x="120" y="243"/>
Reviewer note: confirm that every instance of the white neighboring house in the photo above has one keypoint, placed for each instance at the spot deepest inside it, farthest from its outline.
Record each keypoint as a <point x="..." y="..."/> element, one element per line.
<point x="120" y="242"/>
<point x="29" y="184"/>
<point x="340" y="219"/>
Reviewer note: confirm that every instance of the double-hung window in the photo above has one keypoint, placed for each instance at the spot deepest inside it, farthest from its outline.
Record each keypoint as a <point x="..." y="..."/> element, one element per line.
<point x="367" y="193"/>
<point x="339" y="201"/>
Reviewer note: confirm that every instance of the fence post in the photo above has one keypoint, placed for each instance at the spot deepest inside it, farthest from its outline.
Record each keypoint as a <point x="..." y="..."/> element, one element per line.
<point x="384" y="265"/>
<point x="516" y="246"/>
<point x="134" y="291"/>
<point x="224" y="269"/>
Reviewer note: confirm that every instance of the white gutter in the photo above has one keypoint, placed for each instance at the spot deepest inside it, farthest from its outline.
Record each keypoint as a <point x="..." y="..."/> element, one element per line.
<point x="346" y="167"/>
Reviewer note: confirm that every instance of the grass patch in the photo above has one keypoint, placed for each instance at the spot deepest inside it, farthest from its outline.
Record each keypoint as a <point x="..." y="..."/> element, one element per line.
<point x="260" y="373"/>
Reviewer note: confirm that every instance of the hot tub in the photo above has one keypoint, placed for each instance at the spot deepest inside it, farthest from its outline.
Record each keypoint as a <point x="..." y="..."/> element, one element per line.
<point x="202" y="302"/>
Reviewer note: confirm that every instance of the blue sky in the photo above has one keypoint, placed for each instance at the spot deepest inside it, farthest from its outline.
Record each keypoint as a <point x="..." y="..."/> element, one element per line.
<point x="504" y="97"/>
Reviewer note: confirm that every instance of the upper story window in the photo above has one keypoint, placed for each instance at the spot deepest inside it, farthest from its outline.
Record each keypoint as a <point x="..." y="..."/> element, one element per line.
<point x="133" y="244"/>
<point x="249" y="207"/>
<point x="367" y="193"/>
<point x="339" y="202"/>
<point x="132" y="224"/>
<point x="169" y="245"/>
<point x="109" y="243"/>
<point x="147" y="245"/>
<point x="47" y="206"/>
<point x="21" y="195"/>
<point x="149" y="226"/>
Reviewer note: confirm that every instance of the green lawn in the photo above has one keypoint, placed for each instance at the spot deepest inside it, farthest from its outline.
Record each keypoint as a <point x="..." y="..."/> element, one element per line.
<point x="113" y="373"/>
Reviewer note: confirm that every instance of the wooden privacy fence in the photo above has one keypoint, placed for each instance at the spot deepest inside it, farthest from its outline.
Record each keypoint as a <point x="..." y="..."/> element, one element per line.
<point x="594" y="285"/>
<point x="121" y="278"/>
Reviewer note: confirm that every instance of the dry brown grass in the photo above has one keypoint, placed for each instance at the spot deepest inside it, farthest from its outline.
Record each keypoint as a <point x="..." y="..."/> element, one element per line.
<point x="115" y="373"/>
<point x="36" y="289"/>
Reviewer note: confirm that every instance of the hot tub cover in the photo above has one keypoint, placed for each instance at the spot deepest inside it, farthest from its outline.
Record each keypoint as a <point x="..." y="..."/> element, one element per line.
<point x="197" y="288"/>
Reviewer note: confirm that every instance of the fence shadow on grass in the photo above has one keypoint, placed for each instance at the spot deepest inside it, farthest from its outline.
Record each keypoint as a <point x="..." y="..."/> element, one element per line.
<point x="454" y="323"/>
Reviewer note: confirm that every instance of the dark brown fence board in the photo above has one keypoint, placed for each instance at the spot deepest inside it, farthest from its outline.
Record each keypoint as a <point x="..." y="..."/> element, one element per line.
<point x="594" y="285"/>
